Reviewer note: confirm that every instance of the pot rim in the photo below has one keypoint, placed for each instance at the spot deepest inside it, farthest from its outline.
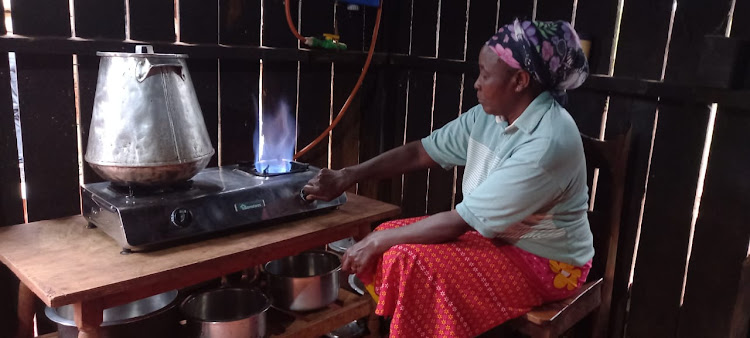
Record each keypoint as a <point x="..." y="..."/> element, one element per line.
<point x="151" y="164"/>
<point x="189" y="317"/>
<point x="57" y="318"/>
<point x="142" y="55"/>
<point x="327" y="253"/>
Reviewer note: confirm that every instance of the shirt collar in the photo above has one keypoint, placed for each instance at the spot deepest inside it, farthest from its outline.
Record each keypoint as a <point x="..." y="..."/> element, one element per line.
<point x="529" y="119"/>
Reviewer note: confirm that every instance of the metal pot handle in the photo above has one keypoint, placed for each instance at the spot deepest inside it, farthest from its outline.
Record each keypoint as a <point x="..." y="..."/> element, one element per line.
<point x="144" y="66"/>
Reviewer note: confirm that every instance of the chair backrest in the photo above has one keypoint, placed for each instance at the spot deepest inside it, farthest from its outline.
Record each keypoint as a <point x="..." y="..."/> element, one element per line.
<point x="610" y="157"/>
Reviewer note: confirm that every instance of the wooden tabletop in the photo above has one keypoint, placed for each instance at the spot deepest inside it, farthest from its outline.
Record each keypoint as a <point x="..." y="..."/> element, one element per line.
<point x="63" y="262"/>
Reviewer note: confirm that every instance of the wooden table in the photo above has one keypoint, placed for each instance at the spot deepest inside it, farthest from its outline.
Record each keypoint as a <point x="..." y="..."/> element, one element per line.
<point x="63" y="263"/>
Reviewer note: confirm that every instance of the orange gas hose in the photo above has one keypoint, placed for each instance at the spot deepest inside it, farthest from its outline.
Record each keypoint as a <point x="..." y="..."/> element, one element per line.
<point x="356" y="86"/>
<point x="291" y="24"/>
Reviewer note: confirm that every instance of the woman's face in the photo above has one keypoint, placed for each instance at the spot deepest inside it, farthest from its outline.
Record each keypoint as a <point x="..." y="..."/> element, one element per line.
<point x="495" y="84"/>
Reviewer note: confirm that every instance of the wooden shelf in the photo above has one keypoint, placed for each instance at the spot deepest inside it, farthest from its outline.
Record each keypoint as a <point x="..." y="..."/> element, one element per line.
<point x="347" y="308"/>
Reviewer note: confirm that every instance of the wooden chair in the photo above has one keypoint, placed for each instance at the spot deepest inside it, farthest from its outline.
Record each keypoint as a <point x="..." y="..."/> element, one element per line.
<point x="551" y="320"/>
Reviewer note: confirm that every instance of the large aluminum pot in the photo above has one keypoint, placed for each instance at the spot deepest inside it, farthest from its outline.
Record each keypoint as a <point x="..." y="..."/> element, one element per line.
<point x="304" y="282"/>
<point x="155" y="316"/>
<point x="146" y="127"/>
<point x="226" y="312"/>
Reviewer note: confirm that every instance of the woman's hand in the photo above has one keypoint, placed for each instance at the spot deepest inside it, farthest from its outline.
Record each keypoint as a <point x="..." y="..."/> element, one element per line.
<point x="327" y="184"/>
<point x="363" y="254"/>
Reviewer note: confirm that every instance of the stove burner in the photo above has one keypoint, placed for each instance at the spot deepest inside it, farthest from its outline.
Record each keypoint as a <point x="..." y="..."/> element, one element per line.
<point x="270" y="168"/>
<point x="142" y="190"/>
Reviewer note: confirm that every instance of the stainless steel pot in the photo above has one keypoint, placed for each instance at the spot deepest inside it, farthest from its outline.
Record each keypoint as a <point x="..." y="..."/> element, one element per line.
<point x="226" y="312"/>
<point x="146" y="127"/>
<point x="155" y="316"/>
<point x="304" y="282"/>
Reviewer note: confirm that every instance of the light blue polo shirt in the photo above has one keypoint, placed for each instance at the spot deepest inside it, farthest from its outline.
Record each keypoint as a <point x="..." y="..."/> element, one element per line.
<point x="524" y="183"/>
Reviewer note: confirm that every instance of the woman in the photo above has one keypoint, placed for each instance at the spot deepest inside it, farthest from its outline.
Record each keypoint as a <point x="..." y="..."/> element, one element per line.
<point x="520" y="237"/>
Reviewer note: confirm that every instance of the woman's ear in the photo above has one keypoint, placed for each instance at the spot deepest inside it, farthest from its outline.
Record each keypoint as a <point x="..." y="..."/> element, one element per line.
<point x="521" y="80"/>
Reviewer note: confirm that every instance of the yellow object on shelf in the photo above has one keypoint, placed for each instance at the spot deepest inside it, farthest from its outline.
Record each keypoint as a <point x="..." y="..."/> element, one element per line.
<point x="371" y="290"/>
<point x="332" y="37"/>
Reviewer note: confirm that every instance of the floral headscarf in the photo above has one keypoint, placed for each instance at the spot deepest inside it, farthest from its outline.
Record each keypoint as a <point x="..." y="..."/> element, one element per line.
<point x="549" y="50"/>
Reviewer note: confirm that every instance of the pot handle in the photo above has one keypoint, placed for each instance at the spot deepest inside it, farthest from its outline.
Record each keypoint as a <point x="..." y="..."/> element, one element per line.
<point x="145" y="66"/>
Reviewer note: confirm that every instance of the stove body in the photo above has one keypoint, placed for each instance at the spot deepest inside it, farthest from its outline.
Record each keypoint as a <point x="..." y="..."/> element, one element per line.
<point x="215" y="200"/>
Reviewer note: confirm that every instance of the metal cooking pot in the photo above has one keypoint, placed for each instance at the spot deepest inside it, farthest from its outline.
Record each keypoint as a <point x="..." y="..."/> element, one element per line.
<point x="155" y="316"/>
<point x="147" y="127"/>
<point x="304" y="282"/>
<point x="226" y="312"/>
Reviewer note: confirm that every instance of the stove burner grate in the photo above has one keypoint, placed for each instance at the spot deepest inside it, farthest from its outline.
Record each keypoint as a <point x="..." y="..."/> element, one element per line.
<point x="271" y="168"/>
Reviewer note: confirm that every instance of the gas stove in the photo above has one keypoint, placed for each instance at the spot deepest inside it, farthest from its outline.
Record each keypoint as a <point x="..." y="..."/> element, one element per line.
<point x="215" y="200"/>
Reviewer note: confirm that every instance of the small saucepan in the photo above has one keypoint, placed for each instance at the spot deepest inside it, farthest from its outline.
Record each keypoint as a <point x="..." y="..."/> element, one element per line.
<point x="304" y="282"/>
<point x="226" y="312"/>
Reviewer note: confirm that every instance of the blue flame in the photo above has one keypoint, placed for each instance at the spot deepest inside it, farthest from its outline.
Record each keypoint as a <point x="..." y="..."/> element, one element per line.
<point x="275" y="136"/>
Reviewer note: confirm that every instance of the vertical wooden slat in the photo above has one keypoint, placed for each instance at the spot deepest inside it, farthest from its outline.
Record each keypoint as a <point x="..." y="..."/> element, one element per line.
<point x="740" y="326"/>
<point x="279" y="78"/>
<point x="693" y="20"/>
<point x="88" y="71"/>
<point x="239" y="109"/>
<point x="11" y="205"/>
<point x="398" y="23"/>
<point x="204" y="73"/>
<point x="639" y="115"/>
<point x="314" y="104"/>
<point x="344" y="148"/>
<point x="40" y="18"/>
<point x="549" y="10"/>
<point x="48" y="122"/>
<point x="48" y="118"/>
<point x="587" y="108"/>
<point x="239" y="22"/>
<point x="199" y="24"/>
<point x="453" y="22"/>
<point x="595" y="20"/>
<point x="510" y="10"/>
<point x="721" y="232"/>
<point x="421" y="82"/>
<point x="374" y="113"/>
<point x="643" y="37"/>
<point x="199" y="21"/>
<point x="351" y="24"/>
<point x="99" y="19"/>
<point x="660" y="268"/>
<point x="640" y="53"/>
<point x="345" y="152"/>
<point x="372" y="127"/>
<point x="152" y="20"/>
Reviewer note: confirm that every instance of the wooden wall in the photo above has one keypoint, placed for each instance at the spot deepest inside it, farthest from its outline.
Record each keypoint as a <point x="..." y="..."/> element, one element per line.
<point x="422" y="77"/>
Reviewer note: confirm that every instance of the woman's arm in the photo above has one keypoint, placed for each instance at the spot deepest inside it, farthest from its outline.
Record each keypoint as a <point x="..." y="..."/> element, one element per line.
<point x="329" y="184"/>
<point x="438" y="228"/>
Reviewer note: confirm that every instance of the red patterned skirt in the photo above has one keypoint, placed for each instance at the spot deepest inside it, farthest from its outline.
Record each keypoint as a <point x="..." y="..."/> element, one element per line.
<point x="464" y="287"/>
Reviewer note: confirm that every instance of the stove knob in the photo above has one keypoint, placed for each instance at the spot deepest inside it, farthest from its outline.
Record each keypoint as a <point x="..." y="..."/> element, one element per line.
<point x="181" y="217"/>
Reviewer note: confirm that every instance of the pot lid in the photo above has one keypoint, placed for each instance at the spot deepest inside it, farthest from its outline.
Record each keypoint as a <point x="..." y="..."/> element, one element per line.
<point x="143" y="51"/>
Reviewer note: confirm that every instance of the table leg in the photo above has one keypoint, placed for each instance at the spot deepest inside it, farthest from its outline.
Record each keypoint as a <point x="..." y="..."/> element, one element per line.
<point x="88" y="317"/>
<point x="26" y="300"/>
<point x="373" y="321"/>
<point x="362" y="231"/>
